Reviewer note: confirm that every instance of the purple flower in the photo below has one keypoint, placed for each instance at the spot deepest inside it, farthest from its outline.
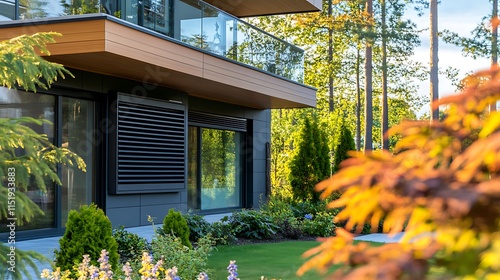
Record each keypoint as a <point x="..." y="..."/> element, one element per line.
<point x="233" y="271"/>
<point x="308" y="216"/>
<point x="203" y="276"/>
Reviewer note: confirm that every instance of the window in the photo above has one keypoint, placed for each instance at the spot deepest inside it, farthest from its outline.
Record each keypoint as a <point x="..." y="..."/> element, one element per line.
<point x="15" y="104"/>
<point x="77" y="132"/>
<point x="7" y="10"/>
<point x="77" y="135"/>
<point x="215" y="173"/>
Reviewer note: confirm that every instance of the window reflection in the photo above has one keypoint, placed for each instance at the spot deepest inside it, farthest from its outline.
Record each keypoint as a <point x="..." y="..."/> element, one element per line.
<point x="7" y="10"/>
<point x="77" y="135"/>
<point x="15" y="104"/>
<point x="214" y="169"/>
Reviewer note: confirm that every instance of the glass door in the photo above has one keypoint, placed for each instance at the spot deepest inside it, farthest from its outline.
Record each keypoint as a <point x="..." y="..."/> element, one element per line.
<point x="215" y="173"/>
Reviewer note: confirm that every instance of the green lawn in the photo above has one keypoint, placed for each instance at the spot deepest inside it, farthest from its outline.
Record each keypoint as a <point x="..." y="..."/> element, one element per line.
<point x="272" y="260"/>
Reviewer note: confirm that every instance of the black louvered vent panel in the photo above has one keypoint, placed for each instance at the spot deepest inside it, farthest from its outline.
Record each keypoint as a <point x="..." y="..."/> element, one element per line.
<point x="150" y="145"/>
<point x="204" y="119"/>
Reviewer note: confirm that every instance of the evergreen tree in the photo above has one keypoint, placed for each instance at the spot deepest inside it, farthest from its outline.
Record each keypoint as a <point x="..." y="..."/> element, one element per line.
<point x="344" y="145"/>
<point x="311" y="163"/>
<point x="23" y="67"/>
<point x="88" y="232"/>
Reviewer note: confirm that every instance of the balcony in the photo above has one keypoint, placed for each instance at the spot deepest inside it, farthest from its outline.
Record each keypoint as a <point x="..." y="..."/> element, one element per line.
<point x="205" y="27"/>
<point x="197" y="49"/>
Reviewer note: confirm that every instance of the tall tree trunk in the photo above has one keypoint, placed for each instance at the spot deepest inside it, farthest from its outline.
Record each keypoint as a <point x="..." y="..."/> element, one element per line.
<point x="368" y="84"/>
<point x="330" y="57"/>
<point x="434" y="79"/>
<point x="385" y="112"/>
<point x="358" y="97"/>
<point x="494" y="44"/>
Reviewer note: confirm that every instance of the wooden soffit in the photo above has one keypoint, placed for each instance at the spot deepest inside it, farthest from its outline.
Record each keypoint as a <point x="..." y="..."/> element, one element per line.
<point x="248" y="8"/>
<point x="109" y="46"/>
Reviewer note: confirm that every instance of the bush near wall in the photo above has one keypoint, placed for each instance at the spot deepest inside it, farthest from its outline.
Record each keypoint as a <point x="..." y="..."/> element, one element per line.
<point x="88" y="232"/>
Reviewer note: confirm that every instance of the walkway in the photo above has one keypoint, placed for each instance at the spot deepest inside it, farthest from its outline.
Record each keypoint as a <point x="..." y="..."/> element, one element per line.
<point x="46" y="246"/>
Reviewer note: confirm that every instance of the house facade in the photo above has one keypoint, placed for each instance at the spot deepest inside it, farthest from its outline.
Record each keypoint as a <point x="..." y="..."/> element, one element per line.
<point x="169" y="105"/>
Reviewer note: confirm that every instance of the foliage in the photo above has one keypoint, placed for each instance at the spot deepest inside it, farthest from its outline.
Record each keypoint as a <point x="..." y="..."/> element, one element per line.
<point x="222" y="232"/>
<point x="434" y="183"/>
<point x="346" y="24"/>
<point x="130" y="245"/>
<point x="88" y="232"/>
<point x="252" y="224"/>
<point x="174" y="223"/>
<point x="22" y="66"/>
<point x="198" y="226"/>
<point x="190" y="262"/>
<point x="85" y="270"/>
<point x="290" y="228"/>
<point x="319" y="225"/>
<point x="345" y="144"/>
<point x="24" y="154"/>
<point x="81" y="7"/>
<point x="311" y="164"/>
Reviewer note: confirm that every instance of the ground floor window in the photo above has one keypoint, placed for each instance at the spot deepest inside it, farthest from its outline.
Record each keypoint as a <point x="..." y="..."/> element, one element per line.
<point x="72" y="123"/>
<point x="215" y="173"/>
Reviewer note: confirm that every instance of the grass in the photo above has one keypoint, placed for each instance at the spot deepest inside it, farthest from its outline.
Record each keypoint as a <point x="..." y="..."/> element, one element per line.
<point x="273" y="261"/>
<point x="279" y="260"/>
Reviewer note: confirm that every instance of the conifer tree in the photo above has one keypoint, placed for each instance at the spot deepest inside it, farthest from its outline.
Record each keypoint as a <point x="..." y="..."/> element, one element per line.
<point x="344" y="145"/>
<point x="22" y="67"/>
<point x="311" y="163"/>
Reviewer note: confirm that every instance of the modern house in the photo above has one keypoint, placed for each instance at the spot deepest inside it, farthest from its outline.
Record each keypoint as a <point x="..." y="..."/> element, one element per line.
<point x="169" y="106"/>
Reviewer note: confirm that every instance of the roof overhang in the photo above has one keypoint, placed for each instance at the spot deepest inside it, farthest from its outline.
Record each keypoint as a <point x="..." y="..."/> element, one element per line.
<point x="247" y="8"/>
<point x="106" y="45"/>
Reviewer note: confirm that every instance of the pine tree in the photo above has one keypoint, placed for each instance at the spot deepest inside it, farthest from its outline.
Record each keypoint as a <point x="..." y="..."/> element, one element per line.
<point x="344" y="145"/>
<point x="23" y="67"/>
<point x="311" y="163"/>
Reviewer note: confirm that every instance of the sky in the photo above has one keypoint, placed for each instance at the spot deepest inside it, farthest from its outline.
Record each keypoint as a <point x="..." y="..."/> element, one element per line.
<point x="460" y="16"/>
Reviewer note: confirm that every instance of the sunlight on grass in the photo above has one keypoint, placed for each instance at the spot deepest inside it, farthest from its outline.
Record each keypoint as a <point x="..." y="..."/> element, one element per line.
<point x="272" y="260"/>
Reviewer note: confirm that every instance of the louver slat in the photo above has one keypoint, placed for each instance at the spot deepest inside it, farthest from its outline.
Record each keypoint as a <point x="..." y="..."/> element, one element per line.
<point x="150" y="147"/>
<point x="215" y="121"/>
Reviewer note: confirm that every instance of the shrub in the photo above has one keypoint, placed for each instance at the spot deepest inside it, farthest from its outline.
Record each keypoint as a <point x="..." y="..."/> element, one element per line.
<point x="311" y="163"/>
<point x="88" y="232"/>
<point x="302" y="208"/>
<point x="198" y="226"/>
<point x="130" y="245"/>
<point x="277" y="208"/>
<point x="175" y="224"/>
<point x="290" y="228"/>
<point x="190" y="262"/>
<point x="319" y="225"/>
<point x="222" y="232"/>
<point x="252" y="225"/>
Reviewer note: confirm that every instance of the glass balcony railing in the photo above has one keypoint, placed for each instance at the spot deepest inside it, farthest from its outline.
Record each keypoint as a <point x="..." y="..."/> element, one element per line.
<point x="192" y="22"/>
<point x="203" y="26"/>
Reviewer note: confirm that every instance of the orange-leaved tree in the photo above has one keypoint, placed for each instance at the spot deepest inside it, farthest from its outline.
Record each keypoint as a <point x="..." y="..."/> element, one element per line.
<point x="442" y="185"/>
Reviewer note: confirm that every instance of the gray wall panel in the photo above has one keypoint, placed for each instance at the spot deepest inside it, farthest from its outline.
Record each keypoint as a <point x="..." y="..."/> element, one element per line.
<point x="126" y="216"/>
<point x="116" y="201"/>
<point x="158" y="212"/>
<point x="160" y="199"/>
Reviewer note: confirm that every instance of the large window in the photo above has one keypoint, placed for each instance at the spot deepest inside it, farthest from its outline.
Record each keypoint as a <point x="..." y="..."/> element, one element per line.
<point x="76" y="133"/>
<point x="215" y="174"/>
<point x="15" y="104"/>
